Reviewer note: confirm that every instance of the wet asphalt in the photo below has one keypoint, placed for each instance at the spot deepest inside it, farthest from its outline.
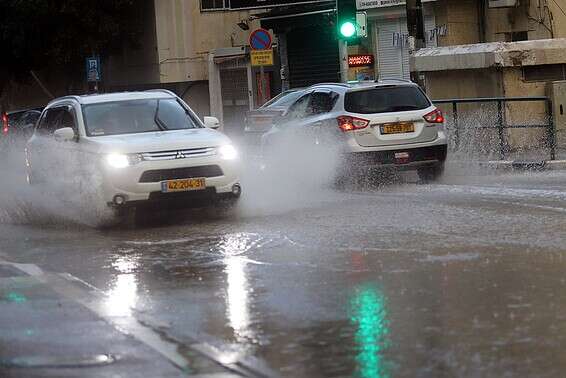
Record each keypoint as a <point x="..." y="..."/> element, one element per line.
<point x="465" y="277"/>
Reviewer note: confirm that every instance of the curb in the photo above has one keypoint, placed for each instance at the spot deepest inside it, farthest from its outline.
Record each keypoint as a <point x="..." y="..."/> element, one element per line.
<point x="526" y="165"/>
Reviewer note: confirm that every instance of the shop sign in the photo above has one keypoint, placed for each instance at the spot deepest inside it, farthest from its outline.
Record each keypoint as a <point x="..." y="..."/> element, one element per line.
<point x="360" y="60"/>
<point x="253" y="4"/>
<point x="368" y="4"/>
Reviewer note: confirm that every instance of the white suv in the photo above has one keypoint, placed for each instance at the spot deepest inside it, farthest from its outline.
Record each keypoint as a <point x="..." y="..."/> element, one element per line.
<point x="381" y="124"/>
<point x="142" y="147"/>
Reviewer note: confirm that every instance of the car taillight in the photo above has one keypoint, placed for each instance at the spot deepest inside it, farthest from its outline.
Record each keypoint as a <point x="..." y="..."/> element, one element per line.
<point x="434" y="117"/>
<point x="347" y="123"/>
<point x="5" y="126"/>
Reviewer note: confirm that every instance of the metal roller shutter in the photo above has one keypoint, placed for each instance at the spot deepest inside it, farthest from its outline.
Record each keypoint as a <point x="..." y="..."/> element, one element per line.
<point x="313" y="56"/>
<point x="394" y="60"/>
<point x="390" y="58"/>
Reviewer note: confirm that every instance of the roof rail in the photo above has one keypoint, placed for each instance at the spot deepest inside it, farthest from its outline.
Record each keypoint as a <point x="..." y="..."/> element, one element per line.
<point x="337" y="84"/>
<point x="162" y="91"/>
<point x="393" y="79"/>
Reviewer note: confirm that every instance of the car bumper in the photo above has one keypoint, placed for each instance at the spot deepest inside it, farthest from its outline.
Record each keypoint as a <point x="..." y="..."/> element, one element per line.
<point x="400" y="158"/>
<point x="130" y="184"/>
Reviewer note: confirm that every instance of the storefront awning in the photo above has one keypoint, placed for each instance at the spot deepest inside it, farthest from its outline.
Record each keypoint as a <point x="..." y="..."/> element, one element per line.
<point x="284" y="18"/>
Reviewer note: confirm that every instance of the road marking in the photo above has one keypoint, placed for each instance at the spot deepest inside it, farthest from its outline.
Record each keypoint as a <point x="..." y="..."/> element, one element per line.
<point x="145" y="330"/>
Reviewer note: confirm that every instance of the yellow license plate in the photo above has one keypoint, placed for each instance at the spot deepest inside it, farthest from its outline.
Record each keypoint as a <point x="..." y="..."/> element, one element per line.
<point x="183" y="185"/>
<point x="398" y="128"/>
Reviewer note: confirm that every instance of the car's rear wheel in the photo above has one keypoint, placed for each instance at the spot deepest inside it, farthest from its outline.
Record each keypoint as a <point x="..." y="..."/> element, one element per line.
<point x="431" y="173"/>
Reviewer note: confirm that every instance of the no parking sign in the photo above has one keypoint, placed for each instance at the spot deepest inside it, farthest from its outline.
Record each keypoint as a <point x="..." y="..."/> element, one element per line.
<point x="260" y="39"/>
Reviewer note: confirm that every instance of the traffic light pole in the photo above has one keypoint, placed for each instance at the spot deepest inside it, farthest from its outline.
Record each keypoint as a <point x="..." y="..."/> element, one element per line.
<point x="343" y="51"/>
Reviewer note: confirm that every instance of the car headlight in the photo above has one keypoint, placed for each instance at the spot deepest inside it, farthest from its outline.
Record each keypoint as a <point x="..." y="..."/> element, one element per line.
<point x="228" y="152"/>
<point x="118" y="160"/>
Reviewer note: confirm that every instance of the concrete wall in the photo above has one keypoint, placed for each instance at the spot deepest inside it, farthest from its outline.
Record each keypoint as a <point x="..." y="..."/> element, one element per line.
<point x="463" y="84"/>
<point x="461" y="19"/>
<point x="185" y="35"/>
<point x="500" y="22"/>
<point x="524" y="113"/>
<point x="558" y="16"/>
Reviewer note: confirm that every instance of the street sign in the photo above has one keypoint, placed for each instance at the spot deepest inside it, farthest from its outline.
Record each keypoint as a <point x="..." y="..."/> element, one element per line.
<point x="260" y="39"/>
<point x="93" y="69"/>
<point x="261" y="58"/>
<point x="361" y="24"/>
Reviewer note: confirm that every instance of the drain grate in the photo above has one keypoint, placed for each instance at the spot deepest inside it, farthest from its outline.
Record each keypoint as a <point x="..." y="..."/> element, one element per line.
<point x="59" y="361"/>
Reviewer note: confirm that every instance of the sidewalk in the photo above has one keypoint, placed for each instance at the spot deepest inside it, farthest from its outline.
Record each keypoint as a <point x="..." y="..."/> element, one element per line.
<point x="50" y="327"/>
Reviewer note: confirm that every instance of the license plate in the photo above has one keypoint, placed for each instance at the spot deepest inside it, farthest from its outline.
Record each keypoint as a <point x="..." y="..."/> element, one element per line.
<point x="402" y="158"/>
<point x="397" y="128"/>
<point x="183" y="185"/>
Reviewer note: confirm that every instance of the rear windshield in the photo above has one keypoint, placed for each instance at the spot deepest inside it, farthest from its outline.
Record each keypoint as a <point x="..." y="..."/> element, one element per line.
<point x="386" y="100"/>
<point x="137" y="116"/>
<point x="283" y="99"/>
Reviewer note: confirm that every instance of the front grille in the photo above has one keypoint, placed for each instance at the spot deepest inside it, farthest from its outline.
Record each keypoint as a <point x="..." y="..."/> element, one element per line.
<point x="179" y="154"/>
<point x="181" y="173"/>
<point x="205" y="194"/>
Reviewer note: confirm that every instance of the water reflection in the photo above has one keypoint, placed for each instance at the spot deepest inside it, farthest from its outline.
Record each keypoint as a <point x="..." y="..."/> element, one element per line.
<point x="123" y="294"/>
<point x="369" y="316"/>
<point x="238" y="286"/>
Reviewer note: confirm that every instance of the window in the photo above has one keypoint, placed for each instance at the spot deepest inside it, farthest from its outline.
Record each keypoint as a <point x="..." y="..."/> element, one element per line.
<point x="545" y="72"/>
<point x="57" y="118"/>
<point x="322" y="102"/>
<point x="299" y="108"/>
<point x="137" y="116"/>
<point x="283" y="99"/>
<point x="386" y="99"/>
<point x="30" y="118"/>
<point x="207" y="5"/>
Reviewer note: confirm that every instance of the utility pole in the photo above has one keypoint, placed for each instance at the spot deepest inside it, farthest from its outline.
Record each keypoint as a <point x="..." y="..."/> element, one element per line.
<point x="415" y="25"/>
<point x="343" y="53"/>
<point x="347" y="30"/>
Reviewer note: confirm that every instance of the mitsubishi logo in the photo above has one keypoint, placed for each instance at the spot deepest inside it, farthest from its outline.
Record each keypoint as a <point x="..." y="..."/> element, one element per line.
<point x="180" y="155"/>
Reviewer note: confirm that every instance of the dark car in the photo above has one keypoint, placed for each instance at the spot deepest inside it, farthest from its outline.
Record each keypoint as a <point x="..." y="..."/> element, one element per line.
<point x="260" y="120"/>
<point x="17" y="126"/>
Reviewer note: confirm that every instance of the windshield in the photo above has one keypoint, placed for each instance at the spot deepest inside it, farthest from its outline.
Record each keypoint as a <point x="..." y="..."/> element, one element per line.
<point x="386" y="100"/>
<point x="136" y="116"/>
<point x="284" y="99"/>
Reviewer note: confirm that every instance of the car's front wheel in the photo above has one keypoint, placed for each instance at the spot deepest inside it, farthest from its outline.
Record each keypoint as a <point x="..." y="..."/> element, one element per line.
<point x="431" y="173"/>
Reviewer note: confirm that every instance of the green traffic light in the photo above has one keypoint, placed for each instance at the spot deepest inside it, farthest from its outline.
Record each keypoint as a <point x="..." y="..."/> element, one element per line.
<point x="348" y="29"/>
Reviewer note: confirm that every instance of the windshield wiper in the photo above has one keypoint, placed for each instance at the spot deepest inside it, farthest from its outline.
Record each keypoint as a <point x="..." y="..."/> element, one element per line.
<point x="156" y="119"/>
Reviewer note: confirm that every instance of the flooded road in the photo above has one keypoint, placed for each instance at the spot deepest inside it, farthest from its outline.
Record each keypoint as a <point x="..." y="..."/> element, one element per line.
<point x="462" y="278"/>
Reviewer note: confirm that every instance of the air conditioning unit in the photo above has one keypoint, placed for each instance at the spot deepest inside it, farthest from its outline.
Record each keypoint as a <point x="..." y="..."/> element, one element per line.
<point x="503" y="3"/>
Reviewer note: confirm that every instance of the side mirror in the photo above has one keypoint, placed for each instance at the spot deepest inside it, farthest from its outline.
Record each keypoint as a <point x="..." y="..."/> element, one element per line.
<point x="211" y="122"/>
<point x="65" y="134"/>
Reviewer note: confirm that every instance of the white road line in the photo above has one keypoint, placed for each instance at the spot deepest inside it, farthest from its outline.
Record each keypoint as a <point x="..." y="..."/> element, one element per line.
<point x="93" y="299"/>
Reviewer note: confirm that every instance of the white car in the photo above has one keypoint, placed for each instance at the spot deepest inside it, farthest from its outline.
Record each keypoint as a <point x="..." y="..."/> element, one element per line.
<point x="384" y="124"/>
<point x="143" y="147"/>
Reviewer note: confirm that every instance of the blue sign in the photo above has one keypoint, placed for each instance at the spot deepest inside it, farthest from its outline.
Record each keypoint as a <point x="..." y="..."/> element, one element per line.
<point x="93" y="69"/>
<point x="260" y="39"/>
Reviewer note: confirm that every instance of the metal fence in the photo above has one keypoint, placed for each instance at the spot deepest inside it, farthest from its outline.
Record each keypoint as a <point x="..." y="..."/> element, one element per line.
<point x="500" y="122"/>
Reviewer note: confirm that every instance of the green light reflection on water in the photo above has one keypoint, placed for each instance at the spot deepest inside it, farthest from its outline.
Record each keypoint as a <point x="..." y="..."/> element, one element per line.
<point x="369" y="316"/>
<point x="16" y="297"/>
